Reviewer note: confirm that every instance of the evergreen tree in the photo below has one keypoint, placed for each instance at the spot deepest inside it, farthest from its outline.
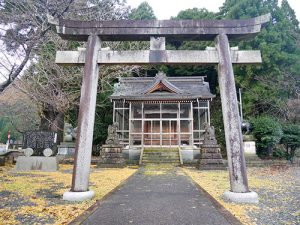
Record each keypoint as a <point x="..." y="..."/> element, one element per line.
<point x="143" y="12"/>
<point x="268" y="87"/>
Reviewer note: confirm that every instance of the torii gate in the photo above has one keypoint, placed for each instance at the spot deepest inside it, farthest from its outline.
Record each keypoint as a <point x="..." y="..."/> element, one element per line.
<point x="221" y="31"/>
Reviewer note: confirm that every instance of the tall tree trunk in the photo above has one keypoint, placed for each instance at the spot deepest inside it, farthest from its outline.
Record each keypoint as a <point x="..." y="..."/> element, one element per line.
<point x="52" y="120"/>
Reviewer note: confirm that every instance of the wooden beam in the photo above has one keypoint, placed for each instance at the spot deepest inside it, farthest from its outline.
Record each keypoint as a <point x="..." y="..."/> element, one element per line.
<point x="138" y="30"/>
<point x="158" y="57"/>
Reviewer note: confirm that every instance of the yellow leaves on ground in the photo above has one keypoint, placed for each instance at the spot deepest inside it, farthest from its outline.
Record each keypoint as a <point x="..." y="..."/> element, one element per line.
<point x="39" y="194"/>
<point x="216" y="183"/>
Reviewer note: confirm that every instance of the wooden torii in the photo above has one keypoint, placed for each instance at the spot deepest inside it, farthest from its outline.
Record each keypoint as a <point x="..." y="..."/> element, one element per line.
<point x="157" y="31"/>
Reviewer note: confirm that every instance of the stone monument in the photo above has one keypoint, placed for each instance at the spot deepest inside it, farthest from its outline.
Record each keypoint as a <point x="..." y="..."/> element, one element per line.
<point x="210" y="157"/>
<point x="46" y="163"/>
<point x="111" y="155"/>
<point x="67" y="147"/>
<point x="39" y="152"/>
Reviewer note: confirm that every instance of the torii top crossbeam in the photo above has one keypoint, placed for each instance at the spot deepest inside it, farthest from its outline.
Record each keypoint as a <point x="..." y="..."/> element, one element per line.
<point x="142" y="30"/>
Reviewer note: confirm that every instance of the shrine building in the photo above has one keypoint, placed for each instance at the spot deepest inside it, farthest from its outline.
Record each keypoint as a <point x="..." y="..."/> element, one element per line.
<point x="161" y="111"/>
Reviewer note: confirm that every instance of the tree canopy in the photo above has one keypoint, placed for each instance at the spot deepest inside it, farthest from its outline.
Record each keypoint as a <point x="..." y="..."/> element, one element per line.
<point x="28" y="48"/>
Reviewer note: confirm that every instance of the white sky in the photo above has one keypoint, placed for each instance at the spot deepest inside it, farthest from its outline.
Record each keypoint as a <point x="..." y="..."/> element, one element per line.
<point x="164" y="9"/>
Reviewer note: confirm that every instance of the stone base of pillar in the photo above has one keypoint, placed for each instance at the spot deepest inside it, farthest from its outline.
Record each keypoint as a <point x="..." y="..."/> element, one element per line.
<point x="111" y="157"/>
<point x="78" y="196"/>
<point x="248" y="197"/>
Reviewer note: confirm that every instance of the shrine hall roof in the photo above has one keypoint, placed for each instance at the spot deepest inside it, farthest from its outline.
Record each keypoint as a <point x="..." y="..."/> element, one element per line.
<point x="161" y="88"/>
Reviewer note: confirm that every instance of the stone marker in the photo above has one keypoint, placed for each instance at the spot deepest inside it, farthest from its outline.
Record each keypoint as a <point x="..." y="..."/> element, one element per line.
<point x="28" y="152"/>
<point x="48" y="152"/>
<point x="38" y="140"/>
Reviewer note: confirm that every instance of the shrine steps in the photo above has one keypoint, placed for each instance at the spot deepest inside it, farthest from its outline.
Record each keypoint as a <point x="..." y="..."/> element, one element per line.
<point x="161" y="155"/>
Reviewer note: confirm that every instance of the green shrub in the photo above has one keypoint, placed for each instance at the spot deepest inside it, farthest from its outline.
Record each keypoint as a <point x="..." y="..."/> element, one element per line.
<point x="279" y="152"/>
<point x="268" y="133"/>
<point x="291" y="139"/>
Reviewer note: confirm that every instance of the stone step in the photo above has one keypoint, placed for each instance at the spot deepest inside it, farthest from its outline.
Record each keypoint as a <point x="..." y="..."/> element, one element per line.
<point x="161" y="155"/>
<point x="160" y="161"/>
<point x="160" y="150"/>
<point x="211" y="161"/>
<point x="158" y="158"/>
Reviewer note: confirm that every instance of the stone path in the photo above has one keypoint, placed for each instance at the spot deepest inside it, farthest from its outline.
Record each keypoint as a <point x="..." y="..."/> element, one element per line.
<point x="158" y="197"/>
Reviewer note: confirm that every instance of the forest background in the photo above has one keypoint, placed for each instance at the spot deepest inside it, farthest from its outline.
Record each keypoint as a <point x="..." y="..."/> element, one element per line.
<point x="38" y="94"/>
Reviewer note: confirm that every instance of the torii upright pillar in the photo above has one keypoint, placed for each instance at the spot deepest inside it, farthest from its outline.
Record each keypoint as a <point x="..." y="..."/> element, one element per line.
<point x="81" y="172"/>
<point x="232" y="125"/>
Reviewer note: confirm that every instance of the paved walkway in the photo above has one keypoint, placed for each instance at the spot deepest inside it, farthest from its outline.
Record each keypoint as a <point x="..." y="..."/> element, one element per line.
<point x="153" y="198"/>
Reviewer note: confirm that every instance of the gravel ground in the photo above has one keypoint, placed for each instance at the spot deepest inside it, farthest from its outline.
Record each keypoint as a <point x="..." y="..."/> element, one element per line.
<point x="279" y="204"/>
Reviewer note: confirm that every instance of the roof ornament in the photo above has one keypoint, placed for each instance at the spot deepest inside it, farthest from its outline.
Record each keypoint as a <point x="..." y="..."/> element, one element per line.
<point x="160" y="76"/>
<point x="161" y="83"/>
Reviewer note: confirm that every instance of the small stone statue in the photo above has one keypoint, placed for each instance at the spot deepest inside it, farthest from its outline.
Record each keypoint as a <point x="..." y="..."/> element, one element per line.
<point x="112" y="135"/>
<point x="209" y="132"/>
<point x="69" y="132"/>
<point x="74" y="133"/>
<point x="246" y="127"/>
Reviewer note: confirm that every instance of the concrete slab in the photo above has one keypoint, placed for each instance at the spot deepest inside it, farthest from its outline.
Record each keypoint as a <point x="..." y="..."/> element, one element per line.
<point x="248" y="197"/>
<point x="78" y="196"/>
<point x="46" y="164"/>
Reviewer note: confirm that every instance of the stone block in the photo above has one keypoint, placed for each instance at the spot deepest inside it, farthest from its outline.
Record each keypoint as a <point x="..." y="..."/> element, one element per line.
<point x="187" y="155"/>
<point x="46" y="164"/>
<point x="111" y="157"/>
<point x="216" y="156"/>
<point x="134" y="154"/>
<point x="248" y="197"/>
<point x="210" y="149"/>
<point x="210" y="142"/>
<point x="78" y="196"/>
<point x="206" y="155"/>
<point x="249" y="147"/>
<point x="66" y="149"/>
<point x="211" y="161"/>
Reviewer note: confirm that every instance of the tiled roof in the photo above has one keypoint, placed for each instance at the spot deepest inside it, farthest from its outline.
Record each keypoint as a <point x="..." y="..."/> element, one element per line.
<point x="161" y="87"/>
